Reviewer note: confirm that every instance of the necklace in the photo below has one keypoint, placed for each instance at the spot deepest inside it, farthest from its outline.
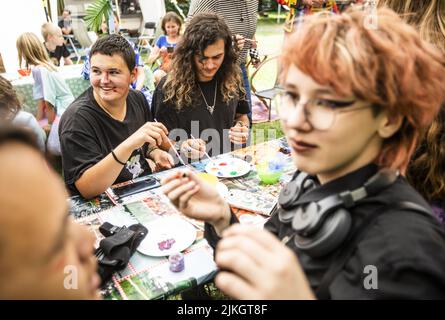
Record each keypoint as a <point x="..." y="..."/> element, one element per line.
<point x="210" y="108"/>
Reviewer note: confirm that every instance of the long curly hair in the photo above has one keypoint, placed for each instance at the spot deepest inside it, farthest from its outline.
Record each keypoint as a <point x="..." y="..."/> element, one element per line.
<point x="427" y="16"/>
<point x="426" y="172"/>
<point x="181" y="86"/>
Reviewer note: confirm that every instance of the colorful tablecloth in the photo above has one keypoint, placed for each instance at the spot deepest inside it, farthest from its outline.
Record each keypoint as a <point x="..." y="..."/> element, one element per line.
<point x="148" y="277"/>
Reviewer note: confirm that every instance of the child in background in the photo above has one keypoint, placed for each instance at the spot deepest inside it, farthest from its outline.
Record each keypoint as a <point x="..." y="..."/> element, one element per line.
<point x="11" y="112"/>
<point x="171" y="25"/>
<point x="54" y="44"/>
<point x="49" y="89"/>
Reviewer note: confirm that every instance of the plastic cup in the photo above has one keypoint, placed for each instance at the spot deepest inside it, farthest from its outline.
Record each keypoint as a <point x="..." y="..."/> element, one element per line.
<point x="266" y="176"/>
<point x="24" y="72"/>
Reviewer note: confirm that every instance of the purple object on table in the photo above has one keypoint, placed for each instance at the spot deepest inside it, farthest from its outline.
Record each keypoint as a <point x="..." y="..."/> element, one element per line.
<point x="176" y="262"/>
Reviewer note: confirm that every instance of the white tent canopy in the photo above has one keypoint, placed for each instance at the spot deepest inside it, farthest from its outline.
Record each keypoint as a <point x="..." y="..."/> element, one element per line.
<point x="28" y="16"/>
<point x="17" y="17"/>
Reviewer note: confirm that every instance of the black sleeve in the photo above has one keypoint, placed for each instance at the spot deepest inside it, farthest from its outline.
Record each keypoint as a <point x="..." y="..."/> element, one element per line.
<point x="210" y="234"/>
<point x="243" y="107"/>
<point x="61" y="24"/>
<point x="156" y="100"/>
<point x="80" y="151"/>
<point x="65" y="52"/>
<point x="403" y="280"/>
<point x="148" y="112"/>
<point x="273" y="224"/>
<point x="164" y="112"/>
<point x="399" y="266"/>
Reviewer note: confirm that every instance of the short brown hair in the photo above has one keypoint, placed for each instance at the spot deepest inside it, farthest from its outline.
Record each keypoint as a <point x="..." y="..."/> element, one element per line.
<point x="390" y="67"/>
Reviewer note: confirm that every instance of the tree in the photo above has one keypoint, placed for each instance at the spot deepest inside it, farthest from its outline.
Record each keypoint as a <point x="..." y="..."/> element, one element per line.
<point x="95" y="13"/>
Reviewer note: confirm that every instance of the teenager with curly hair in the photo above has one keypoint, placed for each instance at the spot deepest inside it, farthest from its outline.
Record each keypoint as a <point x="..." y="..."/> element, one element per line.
<point x="202" y="94"/>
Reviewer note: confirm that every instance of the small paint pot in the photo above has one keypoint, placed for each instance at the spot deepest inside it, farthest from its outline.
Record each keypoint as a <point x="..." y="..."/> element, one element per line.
<point x="176" y="262"/>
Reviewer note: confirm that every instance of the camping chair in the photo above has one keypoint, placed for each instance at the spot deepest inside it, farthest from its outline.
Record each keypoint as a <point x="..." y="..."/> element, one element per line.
<point x="266" y="95"/>
<point x="82" y="36"/>
<point x="145" y="40"/>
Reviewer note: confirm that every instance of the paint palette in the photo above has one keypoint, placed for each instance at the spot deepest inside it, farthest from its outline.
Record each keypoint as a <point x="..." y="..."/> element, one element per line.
<point x="167" y="236"/>
<point x="228" y="168"/>
<point x="222" y="189"/>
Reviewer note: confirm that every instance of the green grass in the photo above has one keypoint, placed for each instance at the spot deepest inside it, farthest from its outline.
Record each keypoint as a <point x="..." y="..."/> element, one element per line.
<point x="270" y="36"/>
<point x="262" y="132"/>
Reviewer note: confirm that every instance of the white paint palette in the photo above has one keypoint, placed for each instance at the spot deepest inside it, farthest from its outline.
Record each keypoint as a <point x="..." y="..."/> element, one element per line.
<point x="167" y="236"/>
<point x="227" y="168"/>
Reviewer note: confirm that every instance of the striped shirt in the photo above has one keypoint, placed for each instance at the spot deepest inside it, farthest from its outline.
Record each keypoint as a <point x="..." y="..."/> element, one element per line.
<point x="240" y="16"/>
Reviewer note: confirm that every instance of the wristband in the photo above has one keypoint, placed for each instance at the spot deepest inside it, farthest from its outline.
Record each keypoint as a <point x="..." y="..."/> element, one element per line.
<point x="117" y="160"/>
<point x="151" y="150"/>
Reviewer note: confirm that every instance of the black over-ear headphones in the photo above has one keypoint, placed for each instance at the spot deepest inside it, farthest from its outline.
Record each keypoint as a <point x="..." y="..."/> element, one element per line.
<point x="321" y="226"/>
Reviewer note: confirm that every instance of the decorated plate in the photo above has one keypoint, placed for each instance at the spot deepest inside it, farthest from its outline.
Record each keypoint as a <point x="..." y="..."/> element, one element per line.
<point x="222" y="189"/>
<point x="167" y="236"/>
<point x="228" y="168"/>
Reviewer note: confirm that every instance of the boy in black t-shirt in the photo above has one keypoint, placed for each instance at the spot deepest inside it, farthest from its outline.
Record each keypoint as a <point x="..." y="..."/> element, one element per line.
<point x="55" y="45"/>
<point x="106" y="135"/>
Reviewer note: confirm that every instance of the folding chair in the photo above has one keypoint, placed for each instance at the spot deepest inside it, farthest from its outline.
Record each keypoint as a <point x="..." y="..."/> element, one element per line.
<point x="266" y="96"/>
<point x="145" y="40"/>
<point x="82" y="36"/>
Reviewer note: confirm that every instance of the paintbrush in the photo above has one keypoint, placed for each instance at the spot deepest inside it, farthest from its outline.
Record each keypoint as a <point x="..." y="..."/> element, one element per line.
<point x="206" y="154"/>
<point x="174" y="149"/>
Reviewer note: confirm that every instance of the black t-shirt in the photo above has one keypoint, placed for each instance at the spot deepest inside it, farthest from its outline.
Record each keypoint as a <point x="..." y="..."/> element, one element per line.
<point x="197" y="120"/>
<point x="88" y="134"/>
<point x="407" y="248"/>
<point x="58" y="53"/>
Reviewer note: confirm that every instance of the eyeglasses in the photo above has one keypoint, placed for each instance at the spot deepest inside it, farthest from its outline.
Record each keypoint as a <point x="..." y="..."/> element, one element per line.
<point x="319" y="113"/>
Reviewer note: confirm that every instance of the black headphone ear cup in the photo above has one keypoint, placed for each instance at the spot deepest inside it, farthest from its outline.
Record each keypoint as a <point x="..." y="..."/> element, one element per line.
<point x="305" y="218"/>
<point x="309" y="184"/>
<point x="289" y="194"/>
<point x="330" y="236"/>
<point x="299" y="184"/>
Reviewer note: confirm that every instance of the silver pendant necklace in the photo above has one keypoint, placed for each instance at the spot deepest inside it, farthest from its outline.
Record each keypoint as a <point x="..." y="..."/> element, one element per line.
<point x="210" y="108"/>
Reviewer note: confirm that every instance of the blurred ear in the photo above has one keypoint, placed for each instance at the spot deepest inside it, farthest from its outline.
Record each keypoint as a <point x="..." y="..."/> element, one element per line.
<point x="134" y="74"/>
<point x="389" y="125"/>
